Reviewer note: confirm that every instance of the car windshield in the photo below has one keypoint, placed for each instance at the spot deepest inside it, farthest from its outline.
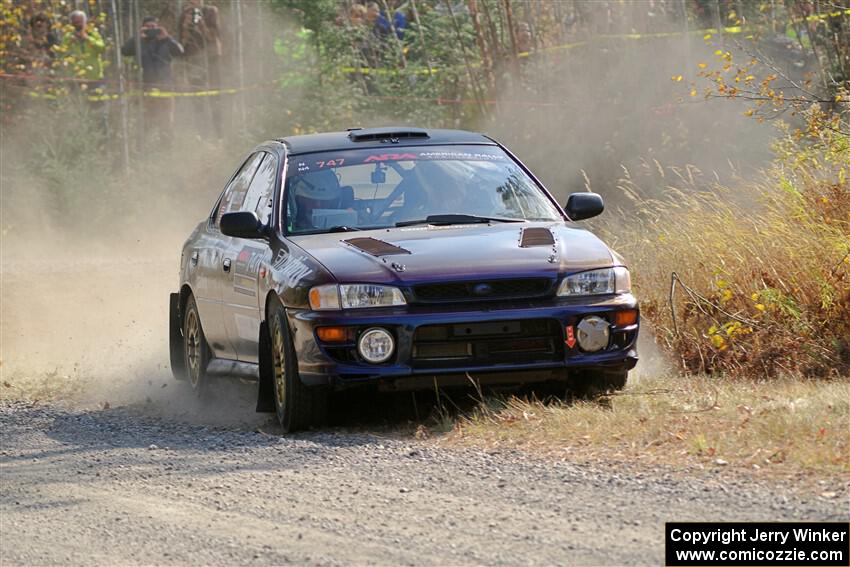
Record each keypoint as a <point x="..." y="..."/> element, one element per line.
<point x="386" y="187"/>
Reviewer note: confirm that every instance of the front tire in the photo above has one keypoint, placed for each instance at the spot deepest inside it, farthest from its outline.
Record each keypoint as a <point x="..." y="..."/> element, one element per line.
<point x="297" y="406"/>
<point x="196" y="351"/>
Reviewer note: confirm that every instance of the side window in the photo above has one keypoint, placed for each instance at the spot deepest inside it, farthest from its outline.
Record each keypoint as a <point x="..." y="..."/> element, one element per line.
<point x="236" y="191"/>
<point x="259" y="196"/>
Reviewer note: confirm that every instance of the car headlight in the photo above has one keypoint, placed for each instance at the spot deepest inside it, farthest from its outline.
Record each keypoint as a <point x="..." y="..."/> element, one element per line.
<point x="596" y="282"/>
<point x="354" y="296"/>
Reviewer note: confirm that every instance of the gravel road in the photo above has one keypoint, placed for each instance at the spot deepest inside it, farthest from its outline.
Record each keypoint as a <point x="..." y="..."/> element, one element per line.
<point x="127" y="469"/>
<point x="126" y="486"/>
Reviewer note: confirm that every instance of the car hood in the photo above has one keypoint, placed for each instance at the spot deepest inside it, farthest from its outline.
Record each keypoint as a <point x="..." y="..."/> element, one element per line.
<point x="440" y="253"/>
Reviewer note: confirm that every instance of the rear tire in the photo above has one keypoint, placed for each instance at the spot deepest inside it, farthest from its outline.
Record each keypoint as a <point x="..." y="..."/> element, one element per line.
<point x="196" y="351"/>
<point x="297" y="405"/>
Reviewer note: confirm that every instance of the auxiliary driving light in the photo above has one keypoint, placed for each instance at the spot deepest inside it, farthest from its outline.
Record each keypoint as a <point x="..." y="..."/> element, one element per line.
<point x="593" y="333"/>
<point x="376" y="345"/>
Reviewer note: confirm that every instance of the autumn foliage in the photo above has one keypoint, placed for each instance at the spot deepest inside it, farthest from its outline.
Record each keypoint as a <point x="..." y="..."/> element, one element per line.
<point x="763" y="267"/>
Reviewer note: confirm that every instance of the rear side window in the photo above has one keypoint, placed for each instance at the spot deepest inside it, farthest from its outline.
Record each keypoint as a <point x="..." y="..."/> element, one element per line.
<point x="237" y="189"/>
<point x="260" y="192"/>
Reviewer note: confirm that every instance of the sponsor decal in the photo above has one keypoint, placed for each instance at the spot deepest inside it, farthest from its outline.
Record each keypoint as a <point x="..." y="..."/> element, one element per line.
<point x="247" y="328"/>
<point x="291" y="270"/>
<point x="389" y="157"/>
<point x="245" y="270"/>
<point x="358" y="157"/>
<point x="469" y="156"/>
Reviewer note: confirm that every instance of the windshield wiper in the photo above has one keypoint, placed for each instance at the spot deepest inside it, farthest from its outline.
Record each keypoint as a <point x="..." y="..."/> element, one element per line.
<point x="342" y="228"/>
<point x="455" y="219"/>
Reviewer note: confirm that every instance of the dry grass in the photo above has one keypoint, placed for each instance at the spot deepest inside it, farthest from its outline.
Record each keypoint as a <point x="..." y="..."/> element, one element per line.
<point x="767" y="263"/>
<point x="782" y="426"/>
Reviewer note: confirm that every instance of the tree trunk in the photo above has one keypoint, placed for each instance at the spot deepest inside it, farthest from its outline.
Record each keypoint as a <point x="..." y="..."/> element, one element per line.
<point x="509" y="16"/>
<point x="472" y="79"/>
<point x="122" y="94"/>
<point x="486" y="60"/>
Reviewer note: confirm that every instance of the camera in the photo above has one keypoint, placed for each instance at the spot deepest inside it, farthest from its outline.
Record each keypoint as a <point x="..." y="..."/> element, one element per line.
<point x="151" y="33"/>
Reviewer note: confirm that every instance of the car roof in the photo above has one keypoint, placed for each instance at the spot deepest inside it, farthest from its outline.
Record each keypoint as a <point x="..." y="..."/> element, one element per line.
<point x="382" y="137"/>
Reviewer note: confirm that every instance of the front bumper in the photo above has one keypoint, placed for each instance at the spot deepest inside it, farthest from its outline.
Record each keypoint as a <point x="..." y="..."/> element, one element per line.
<point x="340" y="366"/>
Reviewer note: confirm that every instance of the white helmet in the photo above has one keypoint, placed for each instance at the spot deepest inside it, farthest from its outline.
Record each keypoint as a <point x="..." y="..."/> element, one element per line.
<point x="320" y="185"/>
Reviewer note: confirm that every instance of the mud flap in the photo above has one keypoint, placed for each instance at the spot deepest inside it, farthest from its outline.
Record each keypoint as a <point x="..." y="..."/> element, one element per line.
<point x="265" y="389"/>
<point x="175" y="337"/>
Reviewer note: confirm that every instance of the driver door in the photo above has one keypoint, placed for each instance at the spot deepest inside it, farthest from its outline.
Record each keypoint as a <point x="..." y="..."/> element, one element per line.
<point x="240" y="289"/>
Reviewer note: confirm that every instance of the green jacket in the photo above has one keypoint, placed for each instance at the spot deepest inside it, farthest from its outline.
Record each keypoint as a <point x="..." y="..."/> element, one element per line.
<point x="86" y="55"/>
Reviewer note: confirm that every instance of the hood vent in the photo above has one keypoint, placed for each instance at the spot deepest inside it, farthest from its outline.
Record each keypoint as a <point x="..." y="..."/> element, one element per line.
<point x="536" y="237"/>
<point x="376" y="247"/>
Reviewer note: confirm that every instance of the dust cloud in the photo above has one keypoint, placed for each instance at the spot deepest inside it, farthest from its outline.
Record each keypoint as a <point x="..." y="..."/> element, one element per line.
<point x="88" y="256"/>
<point x="613" y="105"/>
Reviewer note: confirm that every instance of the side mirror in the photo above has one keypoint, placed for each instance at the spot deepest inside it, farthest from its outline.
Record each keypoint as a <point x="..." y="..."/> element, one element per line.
<point x="582" y="206"/>
<point x="243" y="224"/>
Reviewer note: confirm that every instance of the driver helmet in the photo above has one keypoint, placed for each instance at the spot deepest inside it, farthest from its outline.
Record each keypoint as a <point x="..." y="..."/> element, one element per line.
<point x="315" y="190"/>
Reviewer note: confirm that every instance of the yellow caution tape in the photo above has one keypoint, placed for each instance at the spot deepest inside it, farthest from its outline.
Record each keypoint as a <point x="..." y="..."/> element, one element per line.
<point x="821" y="17"/>
<point x="566" y="46"/>
<point x="152" y="93"/>
<point x="156" y="93"/>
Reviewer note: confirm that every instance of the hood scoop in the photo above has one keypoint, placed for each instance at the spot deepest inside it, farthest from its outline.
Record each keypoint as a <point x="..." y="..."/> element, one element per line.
<point x="376" y="247"/>
<point x="536" y="236"/>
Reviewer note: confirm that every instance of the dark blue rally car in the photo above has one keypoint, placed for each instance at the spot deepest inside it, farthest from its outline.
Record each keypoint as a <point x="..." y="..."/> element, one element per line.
<point x="398" y="258"/>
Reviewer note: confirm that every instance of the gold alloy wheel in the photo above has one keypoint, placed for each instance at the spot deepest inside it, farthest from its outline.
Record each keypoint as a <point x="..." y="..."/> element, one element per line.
<point x="193" y="347"/>
<point x="278" y="362"/>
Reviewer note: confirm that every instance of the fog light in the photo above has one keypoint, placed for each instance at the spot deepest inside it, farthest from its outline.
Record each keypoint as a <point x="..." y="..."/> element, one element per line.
<point x="593" y="333"/>
<point x="626" y="318"/>
<point x="376" y="345"/>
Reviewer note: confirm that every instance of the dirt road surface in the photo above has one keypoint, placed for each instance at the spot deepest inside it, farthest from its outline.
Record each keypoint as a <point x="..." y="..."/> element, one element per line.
<point x="117" y="486"/>
<point x="104" y="459"/>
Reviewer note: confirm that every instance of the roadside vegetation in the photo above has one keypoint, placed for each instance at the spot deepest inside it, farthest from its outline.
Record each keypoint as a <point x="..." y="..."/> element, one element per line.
<point x="782" y="427"/>
<point x="750" y="280"/>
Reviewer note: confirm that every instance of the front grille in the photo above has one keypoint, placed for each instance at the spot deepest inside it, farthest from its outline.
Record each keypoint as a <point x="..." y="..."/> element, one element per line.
<point x="499" y="342"/>
<point x="525" y="288"/>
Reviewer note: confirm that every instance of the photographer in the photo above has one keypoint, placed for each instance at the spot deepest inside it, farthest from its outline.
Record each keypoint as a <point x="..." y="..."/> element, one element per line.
<point x="200" y="33"/>
<point x="85" y="48"/>
<point x="157" y="50"/>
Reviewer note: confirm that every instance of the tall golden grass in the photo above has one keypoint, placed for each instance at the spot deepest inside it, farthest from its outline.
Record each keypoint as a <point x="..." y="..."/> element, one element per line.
<point x="765" y="264"/>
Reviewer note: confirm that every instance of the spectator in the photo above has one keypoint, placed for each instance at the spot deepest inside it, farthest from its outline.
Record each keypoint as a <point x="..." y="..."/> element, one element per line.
<point x="86" y="48"/>
<point x="361" y="35"/>
<point x="524" y="39"/>
<point x="381" y="23"/>
<point x="357" y="15"/>
<point x="42" y="38"/>
<point x="200" y="35"/>
<point x="157" y="50"/>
